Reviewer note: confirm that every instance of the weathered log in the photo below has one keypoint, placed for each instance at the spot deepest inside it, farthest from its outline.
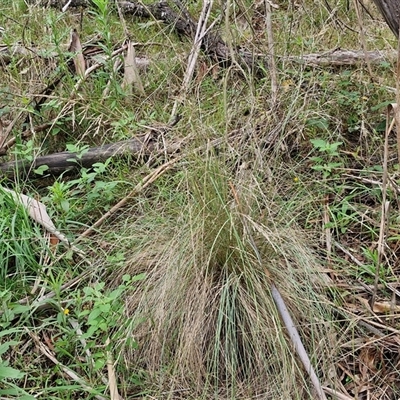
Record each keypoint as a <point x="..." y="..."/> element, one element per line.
<point x="390" y="9"/>
<point x="343" y="57"/>
<point x="58" y="163"/>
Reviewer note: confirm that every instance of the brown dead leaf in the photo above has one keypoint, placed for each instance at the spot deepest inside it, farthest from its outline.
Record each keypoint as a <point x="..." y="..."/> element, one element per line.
<point x="37" y="211"/>
<point x="131" y="73"/>
<point x="76" y="48"/>
<point x="368" y="361"/>
<point x="383" y="307"/>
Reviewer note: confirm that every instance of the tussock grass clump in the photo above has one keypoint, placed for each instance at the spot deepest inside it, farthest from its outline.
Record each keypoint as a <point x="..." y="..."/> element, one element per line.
<point x="210" y="321"/>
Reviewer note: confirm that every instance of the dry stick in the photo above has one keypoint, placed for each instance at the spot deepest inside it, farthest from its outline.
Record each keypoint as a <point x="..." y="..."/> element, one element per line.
<point x="328" y="233"/>
<point x="337" y="395"/>
<point x="281" y="307"/>
<point x="382" y="229"/>
<point x="397" y="110"/>
<point x="73" y="375"/>
<point x="112" y="380"/>
<point x="65" y="8"/>
<point x="194" y="53"/>
<point x="138" y="188"/>
<point x="271" y="51"/>
<point x="362" y="37"/>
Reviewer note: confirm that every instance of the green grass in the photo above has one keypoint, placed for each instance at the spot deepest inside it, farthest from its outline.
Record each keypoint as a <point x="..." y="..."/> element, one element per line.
<point x="174" y="282"/>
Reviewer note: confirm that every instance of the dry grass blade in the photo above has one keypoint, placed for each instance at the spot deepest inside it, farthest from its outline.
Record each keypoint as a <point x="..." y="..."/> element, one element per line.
<point x="271" y="51"/>
<point x="384" y="206"/>
<point x="112" y="380"/>
<point x="327" y="229"/>
<point x="194" y="53"/>
<point x="76" y="48"/>
<point x="68" y="371"/>
<point x="131" y="72"/>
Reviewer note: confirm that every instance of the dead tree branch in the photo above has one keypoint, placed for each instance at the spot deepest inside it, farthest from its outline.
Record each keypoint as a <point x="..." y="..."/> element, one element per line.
<point x="390" y="9"/>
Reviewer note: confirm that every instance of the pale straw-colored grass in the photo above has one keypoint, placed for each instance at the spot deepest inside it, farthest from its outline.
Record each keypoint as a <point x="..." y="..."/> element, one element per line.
<point x="210" y="324"/>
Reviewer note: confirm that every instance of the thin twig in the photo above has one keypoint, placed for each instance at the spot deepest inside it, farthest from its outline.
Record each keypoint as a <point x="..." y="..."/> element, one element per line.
<point x="327" y="229"/>
<point x="194" y="53"/>
<point x="384" y="208"/>
<point x="73" y="282"/>
<point x="362" y="37"/>
<point x="336" y="394"/>
<point x="271" y="51"/>
<point x="72" y="374"/>
<point x="150" y="178"/>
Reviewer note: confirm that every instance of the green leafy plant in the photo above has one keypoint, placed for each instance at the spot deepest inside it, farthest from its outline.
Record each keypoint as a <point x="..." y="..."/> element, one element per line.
<point x="326" y="163"/>
<point x="101" y="312"/>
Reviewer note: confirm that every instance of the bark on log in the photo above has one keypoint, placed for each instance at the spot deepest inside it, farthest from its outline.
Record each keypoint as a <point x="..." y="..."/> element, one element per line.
<point x="67" y="161"/>
<point x="390" y="9"/>
<point x="343" y="57"/>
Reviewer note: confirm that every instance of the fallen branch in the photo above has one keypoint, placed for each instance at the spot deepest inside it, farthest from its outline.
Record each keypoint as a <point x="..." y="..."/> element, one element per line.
<point x="335" y="57"/>
<point x="9" y="53"/>
<point x="67" y="161"/>
<point x="339" y="57"/>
